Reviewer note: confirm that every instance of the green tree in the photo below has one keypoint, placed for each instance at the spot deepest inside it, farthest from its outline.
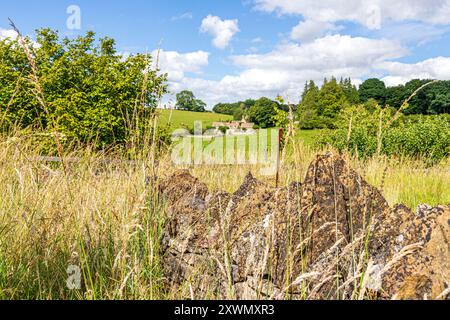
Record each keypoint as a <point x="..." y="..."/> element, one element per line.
<point x="231" y="108"/>
<point x="86" y="90"/>
<point x="350" y="91"/>
<point x="239" y="113"/>
<point x="262" y="113"/>
<point x="373" y="89"/>
<point x="308" y="108"/>
<point x="330" y="100"/>
<point x="199" y="106"/>
<point x="187" y="101"/>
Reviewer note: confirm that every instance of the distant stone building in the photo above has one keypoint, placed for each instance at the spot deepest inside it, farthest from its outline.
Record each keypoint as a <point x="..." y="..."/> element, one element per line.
<point x="243" y="125"/>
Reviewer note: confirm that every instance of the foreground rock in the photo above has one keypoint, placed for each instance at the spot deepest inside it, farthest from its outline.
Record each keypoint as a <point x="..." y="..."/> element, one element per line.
<point x="334" y="236"/>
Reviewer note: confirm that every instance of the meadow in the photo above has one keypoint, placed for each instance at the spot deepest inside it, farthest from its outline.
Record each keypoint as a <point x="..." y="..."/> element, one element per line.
<point x="90" y="224"/>
<point x="106" y="218"/>
<point x="177" y="119"/>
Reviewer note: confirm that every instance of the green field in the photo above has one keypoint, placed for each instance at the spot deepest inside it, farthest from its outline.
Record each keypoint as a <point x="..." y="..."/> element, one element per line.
<point x="181" y="119"/>
<point x="309" y="137"/>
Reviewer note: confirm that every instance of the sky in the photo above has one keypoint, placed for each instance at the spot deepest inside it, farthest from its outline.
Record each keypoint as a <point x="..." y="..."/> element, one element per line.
<point x="231" y="50"/>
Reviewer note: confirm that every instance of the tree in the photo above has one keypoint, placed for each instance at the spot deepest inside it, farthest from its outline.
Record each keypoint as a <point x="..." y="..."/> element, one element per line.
<point x="262" y="112"/>
<point x="308" y="107"/>
<point x="434" y="99"/>
<point x="86" y="90"/>
<point x="419" y="104"/>
<point x="199" y="106"/>
<point x="239" y="113"/>
<point x="187" y="101"/>
<point x="350" y="91"/>
<point x="232" y="108"/>
<point x="373" y="89"/>
<point x="330" y="100"/>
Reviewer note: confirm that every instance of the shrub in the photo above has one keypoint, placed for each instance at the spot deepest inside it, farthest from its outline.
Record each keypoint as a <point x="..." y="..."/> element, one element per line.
<point x="429" y="138"/>
<point x="85" y="90"/>
<point x="418" y="136"/>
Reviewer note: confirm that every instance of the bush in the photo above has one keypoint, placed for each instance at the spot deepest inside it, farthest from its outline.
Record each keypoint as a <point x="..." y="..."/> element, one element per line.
<point x="86" y="91"/>
<point x="424" y="136"/>
<point x="428" y="138"/>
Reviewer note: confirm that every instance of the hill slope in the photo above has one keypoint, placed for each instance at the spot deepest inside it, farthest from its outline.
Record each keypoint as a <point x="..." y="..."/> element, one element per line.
<point x="180" y="119"/>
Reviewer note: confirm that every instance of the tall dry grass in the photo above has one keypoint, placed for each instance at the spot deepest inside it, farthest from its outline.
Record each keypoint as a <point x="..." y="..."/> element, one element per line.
<point x="402" y="180"/>
<point x="105" y="216"/>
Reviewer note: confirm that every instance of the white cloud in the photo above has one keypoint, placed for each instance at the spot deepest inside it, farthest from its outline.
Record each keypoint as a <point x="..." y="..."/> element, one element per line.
<point x="371" y="14"/>
<point x="177" y="64"/>
<point x="285" y="69"/>
<point x="221" y="30"/>
<point x="327" y="53"/>
<point x="412" y="33"/>
<point x="7" y="34"/>
<point x="288" y="66"/>
<point x="309" y="30"/>
<point x="400" y="73"/>
<point x="12" y="35"/>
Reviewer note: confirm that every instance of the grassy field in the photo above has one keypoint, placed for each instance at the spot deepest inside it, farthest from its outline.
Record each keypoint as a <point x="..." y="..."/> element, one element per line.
<point x="180" y="119"/>
<point x="309" y="137"/>
<point x="105" y="218"/>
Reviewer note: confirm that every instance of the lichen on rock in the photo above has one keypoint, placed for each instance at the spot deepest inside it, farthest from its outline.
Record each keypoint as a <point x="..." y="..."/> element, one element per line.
<point x="333" y="236"/>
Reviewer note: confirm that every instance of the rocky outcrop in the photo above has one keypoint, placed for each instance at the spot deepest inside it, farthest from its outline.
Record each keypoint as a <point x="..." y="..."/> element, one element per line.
<point x="331" y="237"/>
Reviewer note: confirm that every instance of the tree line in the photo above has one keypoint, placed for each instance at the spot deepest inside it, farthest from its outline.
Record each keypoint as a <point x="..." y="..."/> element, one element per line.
<point x="319" y="107"/>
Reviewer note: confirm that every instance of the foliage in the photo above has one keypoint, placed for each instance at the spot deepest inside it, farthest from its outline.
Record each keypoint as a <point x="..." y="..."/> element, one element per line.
<point x="186" y="101"/>
<point x="236" y="109"/>
<point x="239" y="114"/>
<point x="86" y="89"/>
<point x="350" y="91"/>
<point x="308" y="109"/>
<point x="280" y="118"/>
<point x="223" y="129"/>
<point x="320" y="107"/>
<point x="419" y="136"/>
<point x="434" y="99"/>
<point x="263" y="112"/>
<point x="429" y="138"/>
<point x="373" y="89"/>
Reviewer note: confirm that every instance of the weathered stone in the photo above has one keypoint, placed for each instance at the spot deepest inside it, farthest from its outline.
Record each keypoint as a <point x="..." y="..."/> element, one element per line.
<point x="314" y="240"/>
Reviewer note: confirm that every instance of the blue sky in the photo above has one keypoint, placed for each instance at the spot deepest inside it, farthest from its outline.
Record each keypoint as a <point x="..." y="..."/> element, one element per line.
<point x="226" y="50"/>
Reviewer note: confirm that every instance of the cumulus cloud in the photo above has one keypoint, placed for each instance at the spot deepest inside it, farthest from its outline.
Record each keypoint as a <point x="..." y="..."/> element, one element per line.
<point x="327" y="53"/>
<point x="285" y="69"/>
<point x="4" y="33"/>
<point x="371" y="14"/>
<point x="222" y="31"/>
<point x="400" y="73"/>
<point x="309" y="30"/>
<point x="176" y="64"/>
<point x="401" y="16"/>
